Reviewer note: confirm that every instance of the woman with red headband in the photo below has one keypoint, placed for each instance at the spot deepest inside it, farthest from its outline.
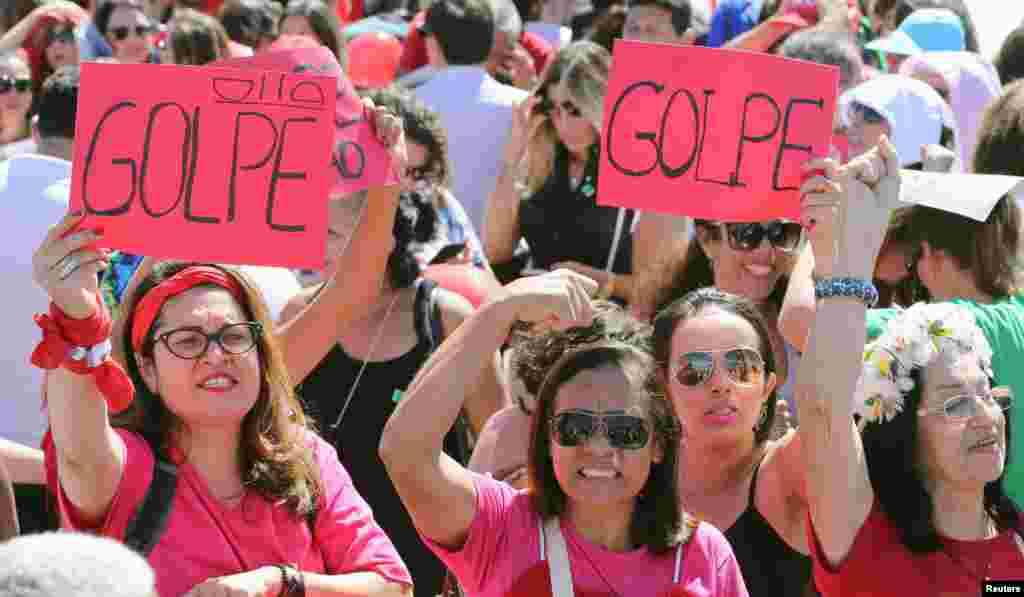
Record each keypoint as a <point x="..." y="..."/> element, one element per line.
<point x="261" y="506"/>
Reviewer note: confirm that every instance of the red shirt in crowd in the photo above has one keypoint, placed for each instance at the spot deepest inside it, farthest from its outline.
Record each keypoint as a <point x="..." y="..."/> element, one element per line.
<point x="414" y="52"/>
<point x="879" y="564"/>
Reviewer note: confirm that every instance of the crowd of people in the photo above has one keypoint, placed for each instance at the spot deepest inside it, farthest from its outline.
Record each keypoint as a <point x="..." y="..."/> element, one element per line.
<point x="495" y="385"/>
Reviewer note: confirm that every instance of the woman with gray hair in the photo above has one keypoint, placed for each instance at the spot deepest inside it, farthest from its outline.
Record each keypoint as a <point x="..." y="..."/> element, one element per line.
<point x="547" y="189"/>
<point x="73" y="565"/>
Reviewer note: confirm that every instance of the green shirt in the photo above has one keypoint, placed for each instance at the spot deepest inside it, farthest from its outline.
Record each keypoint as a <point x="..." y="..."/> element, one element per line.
<point x="1003" y="325"/>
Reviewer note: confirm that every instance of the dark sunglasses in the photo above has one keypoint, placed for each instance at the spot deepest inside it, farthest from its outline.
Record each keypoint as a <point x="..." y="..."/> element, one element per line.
<point x="572" y="428"/>
<point x="192" y="343"/>
<point x="743" y="365"/>
<point x="419" y="172"/>
<point x="20" y="85"/>
<point x="64" y="35"/>
<point x="783" y="235"/>
<point x="867" y="114"/>
<point x="122" y="33"/>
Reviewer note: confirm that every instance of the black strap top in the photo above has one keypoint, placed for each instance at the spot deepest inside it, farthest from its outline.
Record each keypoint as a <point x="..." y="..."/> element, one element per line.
<point x="770" y="566"/>
<point x="561" y="223"/>
<point x="357" y="437"/>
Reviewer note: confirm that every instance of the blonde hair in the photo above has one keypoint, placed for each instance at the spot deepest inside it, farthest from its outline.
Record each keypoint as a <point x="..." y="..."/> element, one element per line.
<point x="581" y="69"/>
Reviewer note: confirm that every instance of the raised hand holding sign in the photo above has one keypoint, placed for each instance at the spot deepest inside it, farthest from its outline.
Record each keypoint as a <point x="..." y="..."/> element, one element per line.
<point x="714" y="134"/>
<point x="205" y="163"/>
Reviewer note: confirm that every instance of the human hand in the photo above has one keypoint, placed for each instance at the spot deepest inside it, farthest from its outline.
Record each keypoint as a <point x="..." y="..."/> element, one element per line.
<point x="519" y="134"/>
<point x="560" y="299"/>
<point x="847" y="209"/>
<point x="390" y="132"/>
<point x="262" y="582"/>
<point x="521" y="68"/>
<point x="67" y="267"/>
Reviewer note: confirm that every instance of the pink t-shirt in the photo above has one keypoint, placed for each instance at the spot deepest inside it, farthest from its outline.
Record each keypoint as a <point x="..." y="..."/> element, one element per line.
<point x="879" y="564"/>
<point x="205" y="538"/>
<point x="504" y="542"/>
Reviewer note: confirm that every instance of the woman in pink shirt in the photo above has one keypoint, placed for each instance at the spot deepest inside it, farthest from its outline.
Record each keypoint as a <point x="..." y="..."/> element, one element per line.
<point x="260" y="504"/>
<point x="601" y="516"/>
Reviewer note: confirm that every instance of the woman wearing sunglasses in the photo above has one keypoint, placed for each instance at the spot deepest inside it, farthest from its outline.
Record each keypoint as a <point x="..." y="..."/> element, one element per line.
<point x="911" y="499"/>
<point x="547" y="190"/>
<point x="128" y="30"/>
<point x="756" y="261"/>
<point x="15" y="104"/>
<point x="977" y="266"/>
<point x="717" y="352"/>
<point x="47" y="35"/>
<point x="260" y="504"/>
<point x="602" y="515"/>
<point x="907" y="111"/>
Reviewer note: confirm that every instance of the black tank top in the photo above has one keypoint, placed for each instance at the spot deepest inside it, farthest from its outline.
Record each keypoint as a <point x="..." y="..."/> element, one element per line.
<point x="357" y="437"/>
<point x="770" y="566"/>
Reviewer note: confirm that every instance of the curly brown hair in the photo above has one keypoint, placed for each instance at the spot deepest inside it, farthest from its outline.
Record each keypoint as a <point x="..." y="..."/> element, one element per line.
<point x="422" y="125"/>
<point x="276" y="462"/>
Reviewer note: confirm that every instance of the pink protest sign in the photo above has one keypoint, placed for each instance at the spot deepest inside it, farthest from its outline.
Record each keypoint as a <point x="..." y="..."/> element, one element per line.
<point x="713" y="134"/>
<point x="207" y="164"/>
<point x="358" y="160"/>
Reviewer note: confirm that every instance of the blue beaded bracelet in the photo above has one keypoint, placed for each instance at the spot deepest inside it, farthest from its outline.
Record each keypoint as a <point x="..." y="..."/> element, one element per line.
<point x="848" y="287"/>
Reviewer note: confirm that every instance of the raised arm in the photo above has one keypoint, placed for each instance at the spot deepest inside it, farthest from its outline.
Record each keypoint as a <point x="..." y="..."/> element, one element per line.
<point x="8" y="510"/>
<point x="437" y="491"/>
<point x="89" y="453"/>
<point x="24" y="464"/>
<point x="348" y="295"/>
<point x="848" y="211"/>
<point x="797" y="314"/>
<point x="14" y="37"/>
<point x="501" y="220"/>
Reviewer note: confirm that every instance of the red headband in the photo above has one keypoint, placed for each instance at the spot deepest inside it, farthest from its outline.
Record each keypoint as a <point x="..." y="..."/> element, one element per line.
<point x="188" y="278"/>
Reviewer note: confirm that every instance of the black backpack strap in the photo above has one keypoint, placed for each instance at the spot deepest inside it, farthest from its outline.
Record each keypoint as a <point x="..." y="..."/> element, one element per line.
<point x="427" y="315"/>
<point x="150" y="521"/>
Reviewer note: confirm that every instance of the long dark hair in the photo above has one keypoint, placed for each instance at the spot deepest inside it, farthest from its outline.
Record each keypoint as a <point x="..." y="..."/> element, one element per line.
<point x="276" y="462"/>
<point x="892" y="458"/>
<point x="416" y="222"/>
<point x="658" y="523"/>
<point x="693" y="304"/>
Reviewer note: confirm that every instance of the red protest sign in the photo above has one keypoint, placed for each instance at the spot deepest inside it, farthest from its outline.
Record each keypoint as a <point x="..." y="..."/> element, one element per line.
<point x="713" y="134"/>
<point x="358" y="160"/>
<point x="204" y="163"/>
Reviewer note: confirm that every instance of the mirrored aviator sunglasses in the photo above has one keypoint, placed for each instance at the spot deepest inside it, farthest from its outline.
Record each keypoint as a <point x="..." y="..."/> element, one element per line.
<point x="783" y="235"/>
<point x="576" y="427"/>
<point x="744" y="366"/>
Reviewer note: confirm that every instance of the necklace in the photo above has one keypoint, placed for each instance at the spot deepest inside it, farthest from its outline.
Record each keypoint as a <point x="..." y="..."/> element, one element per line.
<point x="366" y="361"/>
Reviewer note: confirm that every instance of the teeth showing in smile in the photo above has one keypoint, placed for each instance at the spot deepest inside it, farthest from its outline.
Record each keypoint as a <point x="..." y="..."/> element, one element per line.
<point x="759" y="270"/>
<point x="218" y="382"/>
<point x="599" y="473"/>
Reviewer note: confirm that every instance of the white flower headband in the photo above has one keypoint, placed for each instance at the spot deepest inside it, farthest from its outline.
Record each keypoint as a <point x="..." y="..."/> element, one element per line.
<point x="911" y="341"/>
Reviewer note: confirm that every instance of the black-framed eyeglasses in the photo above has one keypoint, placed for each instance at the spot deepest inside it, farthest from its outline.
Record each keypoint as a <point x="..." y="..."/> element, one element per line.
<point x="743" y="365"/>
<point x="574" y="427"/>
<point x="122" y="33"/>
<point x="7" y="83"/>
<point x="192" y="342"/>
<point x="781" y="234"/>
<point x="60" y="34"/>
<point x="967" y="406"/>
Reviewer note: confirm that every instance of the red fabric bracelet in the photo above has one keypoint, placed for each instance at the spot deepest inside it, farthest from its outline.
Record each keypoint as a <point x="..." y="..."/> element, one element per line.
<point x="66" y="343"/>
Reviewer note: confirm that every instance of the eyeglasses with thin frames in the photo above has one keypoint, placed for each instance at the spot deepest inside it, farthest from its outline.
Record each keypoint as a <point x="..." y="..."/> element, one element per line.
<point x="963" y="407"/>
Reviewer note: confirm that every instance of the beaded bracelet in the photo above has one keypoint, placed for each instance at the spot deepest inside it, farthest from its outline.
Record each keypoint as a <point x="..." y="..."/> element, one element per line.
<point x="847" y="287"/>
